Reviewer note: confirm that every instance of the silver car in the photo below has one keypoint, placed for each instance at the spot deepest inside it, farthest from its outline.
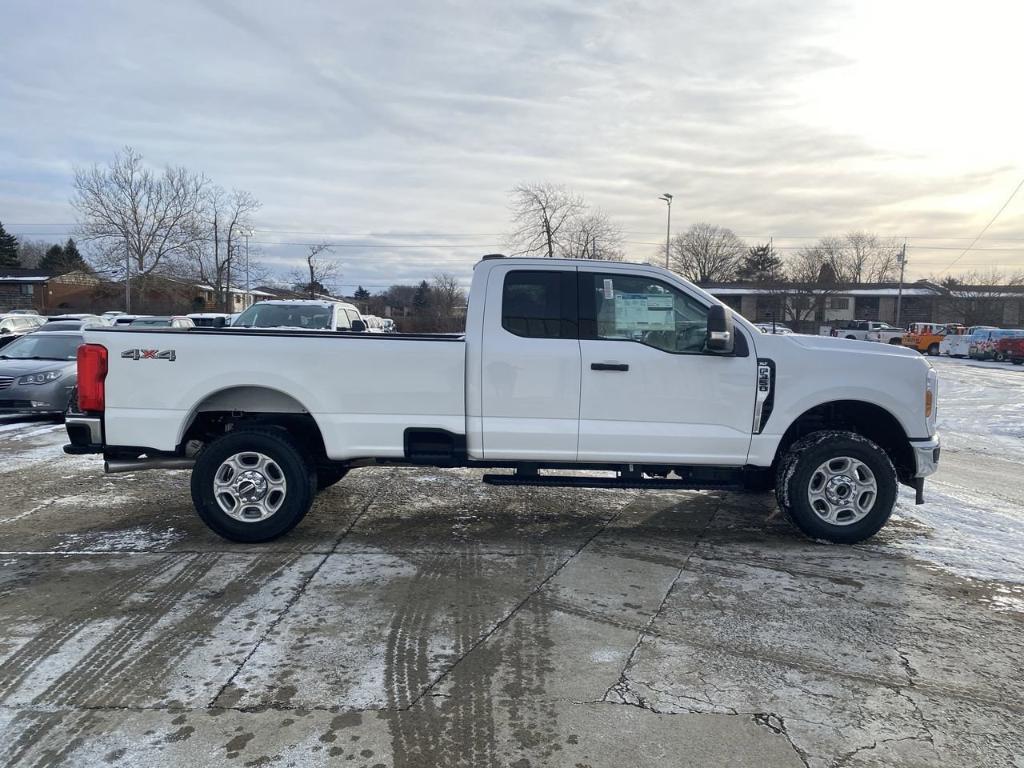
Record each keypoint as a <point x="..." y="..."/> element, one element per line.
<point x="38" y="372"/>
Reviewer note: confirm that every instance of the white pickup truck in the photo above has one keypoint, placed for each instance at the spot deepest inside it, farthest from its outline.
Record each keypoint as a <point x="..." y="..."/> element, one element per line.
<point x="565" y="365"/>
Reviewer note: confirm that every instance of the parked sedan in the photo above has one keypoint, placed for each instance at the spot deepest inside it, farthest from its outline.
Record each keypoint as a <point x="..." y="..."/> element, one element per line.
<point x="38" y="372"/>
<point x="14" y="326"/>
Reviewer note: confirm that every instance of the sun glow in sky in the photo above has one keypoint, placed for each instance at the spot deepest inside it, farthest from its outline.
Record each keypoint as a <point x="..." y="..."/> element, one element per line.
<point x="406" y="124"/>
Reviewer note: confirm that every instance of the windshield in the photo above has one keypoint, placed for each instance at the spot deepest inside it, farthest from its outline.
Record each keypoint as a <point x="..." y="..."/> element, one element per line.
<point x="43" y="347"/>
<point x="285" y="316"/>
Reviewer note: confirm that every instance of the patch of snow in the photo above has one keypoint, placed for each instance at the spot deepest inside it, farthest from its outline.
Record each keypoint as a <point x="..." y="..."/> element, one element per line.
<point x="130" y="539"/>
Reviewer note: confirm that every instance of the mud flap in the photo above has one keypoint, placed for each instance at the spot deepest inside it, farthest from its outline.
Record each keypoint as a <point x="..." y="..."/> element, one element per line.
<point x="919" y="488"/>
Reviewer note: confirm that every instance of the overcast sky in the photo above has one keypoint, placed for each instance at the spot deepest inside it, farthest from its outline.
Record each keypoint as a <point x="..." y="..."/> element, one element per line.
<point x="408" y="122"/>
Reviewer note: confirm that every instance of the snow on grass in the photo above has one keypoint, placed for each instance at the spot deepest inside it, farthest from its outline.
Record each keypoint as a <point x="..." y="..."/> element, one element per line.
<point x="972" y="523"/>
<point x="981" y="407"/>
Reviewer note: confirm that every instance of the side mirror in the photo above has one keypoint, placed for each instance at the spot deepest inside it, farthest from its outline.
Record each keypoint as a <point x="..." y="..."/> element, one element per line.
<point x="721" y="338"/>
<point x="218" y="322"/>
<point x="358" y="326"/>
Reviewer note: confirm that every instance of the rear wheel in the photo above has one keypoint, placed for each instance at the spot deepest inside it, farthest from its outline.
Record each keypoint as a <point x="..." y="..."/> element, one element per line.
<point x="837" y="486"/>
<point x="854" y="338"/>
<point x="933" y="349"/>
<point x="253" y="485"/>
<point x="897" y="342"/>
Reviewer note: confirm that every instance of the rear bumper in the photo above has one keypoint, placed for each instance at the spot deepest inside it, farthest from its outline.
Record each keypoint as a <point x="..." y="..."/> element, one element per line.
<point x="85" y="433"/>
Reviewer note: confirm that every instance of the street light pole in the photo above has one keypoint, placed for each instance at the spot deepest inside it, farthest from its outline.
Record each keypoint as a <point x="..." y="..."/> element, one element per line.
<point x="899" y="291"/>
<point x="667" y="197"/>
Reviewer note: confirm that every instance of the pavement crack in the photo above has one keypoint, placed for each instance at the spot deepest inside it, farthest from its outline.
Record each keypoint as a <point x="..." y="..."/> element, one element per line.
<point x="776" y="723"/>
<point x="428" y="691"/>
<point x="622" y="684"/>
<point x="290" y="603"/>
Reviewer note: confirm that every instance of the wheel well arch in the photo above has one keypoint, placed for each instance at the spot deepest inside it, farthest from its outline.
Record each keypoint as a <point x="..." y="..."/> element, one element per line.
<point x="237" y="407"/>
<point x="866" y="419"/>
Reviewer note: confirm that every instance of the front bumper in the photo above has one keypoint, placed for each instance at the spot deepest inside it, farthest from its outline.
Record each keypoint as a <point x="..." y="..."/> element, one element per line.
<point x="926" y="456"/>
<point x="36" y="398"/>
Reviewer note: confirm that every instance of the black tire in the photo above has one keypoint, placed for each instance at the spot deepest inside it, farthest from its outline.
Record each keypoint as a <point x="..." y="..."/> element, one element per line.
<point x="999" y="357"/>
<point x="897" y="342"/>
<point x="799" y="465"/>
<point x="299" y="477"/>
<point x="933" y="349"/>
<point x="854" y="338"/>
<point x="327" y="475"/>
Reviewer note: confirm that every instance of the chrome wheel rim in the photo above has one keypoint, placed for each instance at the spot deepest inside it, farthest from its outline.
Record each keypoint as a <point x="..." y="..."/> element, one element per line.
<point x="249" y="487"/>
<point x="842" y="491"/>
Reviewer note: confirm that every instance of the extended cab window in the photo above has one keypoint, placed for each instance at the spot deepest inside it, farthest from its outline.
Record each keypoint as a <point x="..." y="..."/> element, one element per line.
<point x="632" y="308"/>
<point x="540" y="304"/>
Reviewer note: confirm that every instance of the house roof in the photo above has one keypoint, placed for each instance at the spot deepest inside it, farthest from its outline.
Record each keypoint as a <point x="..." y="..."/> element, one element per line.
<point x="920" y="288"/>
<point x="10" y="275"/>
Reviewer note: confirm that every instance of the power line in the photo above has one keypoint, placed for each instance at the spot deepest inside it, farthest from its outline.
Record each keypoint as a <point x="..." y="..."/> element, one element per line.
<point x="985" y="229"/>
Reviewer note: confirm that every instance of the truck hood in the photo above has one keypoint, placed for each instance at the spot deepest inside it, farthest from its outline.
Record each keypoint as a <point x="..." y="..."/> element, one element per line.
<point x="834" y="344"/>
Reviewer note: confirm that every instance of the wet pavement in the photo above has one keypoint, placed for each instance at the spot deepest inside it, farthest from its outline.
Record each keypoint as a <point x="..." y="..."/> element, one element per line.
<point x="419" y="618"/>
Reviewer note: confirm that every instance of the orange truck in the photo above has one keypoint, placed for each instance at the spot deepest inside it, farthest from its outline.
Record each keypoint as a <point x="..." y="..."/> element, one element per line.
<point x="926" y="337"/>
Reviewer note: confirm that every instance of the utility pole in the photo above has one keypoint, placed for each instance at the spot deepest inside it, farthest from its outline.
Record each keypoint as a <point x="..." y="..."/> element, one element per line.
<point x="899" y="291"/>
<point x="127" y="279"/>
<point x="248" y="295"/>
<point x="667" y="197"/>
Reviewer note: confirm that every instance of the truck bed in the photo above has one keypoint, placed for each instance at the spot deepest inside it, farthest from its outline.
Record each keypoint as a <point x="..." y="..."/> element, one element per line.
<point x="363" y="390"/>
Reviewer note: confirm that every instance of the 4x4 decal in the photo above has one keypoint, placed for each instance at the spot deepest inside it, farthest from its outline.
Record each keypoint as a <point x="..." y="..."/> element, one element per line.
<point x="149" y="354"/>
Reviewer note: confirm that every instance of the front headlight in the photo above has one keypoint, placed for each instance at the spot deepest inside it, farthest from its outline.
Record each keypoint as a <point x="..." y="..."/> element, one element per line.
<point x="44" y="377"/>
<point x="931" y="399"/>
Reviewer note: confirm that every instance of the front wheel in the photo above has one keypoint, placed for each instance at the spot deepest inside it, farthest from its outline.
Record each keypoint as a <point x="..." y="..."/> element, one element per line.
<point x="253" y="485"/>
<point x="837" y="486"/>
<point x="999" y="357"/>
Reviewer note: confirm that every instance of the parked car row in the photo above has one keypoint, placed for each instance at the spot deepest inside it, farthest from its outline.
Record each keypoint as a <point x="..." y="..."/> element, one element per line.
<point x="37" y="353"/>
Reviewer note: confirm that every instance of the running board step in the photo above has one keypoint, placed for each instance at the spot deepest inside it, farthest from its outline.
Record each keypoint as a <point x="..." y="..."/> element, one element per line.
<point x="572" y="481"/>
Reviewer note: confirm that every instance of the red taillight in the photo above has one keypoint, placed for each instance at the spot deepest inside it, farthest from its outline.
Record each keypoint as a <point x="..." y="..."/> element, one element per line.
<point x="92" y="370"/>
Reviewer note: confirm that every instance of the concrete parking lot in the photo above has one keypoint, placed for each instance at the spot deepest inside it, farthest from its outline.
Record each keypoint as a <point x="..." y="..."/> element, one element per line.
<point x="419" y="618"/>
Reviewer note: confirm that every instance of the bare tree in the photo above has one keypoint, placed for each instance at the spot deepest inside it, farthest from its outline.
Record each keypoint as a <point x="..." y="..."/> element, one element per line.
<point x="810" y="276"/>
<point x="446" y="299"/>
<point x="707" y="253"/>
<point x="864" y="257"/>
<point x="211" y="256"/>
<point x="541" y="215"/>
<point x="131" y="213"/>
<point x="978" y="298"/>
<point x="591" y="235"/>
<point x="319" y="273"/>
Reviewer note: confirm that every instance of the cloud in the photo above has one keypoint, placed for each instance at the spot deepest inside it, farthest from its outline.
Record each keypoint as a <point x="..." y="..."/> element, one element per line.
<point x="418" y="117"/>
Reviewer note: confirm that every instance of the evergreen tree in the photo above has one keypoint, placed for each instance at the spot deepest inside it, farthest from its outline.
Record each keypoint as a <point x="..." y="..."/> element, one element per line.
<point x="60" y="260"/>
<point x="362" y="294"/>
<point x="8" y="249"/>
<point x="760" y="264"/>
<point x="421" y="299"/>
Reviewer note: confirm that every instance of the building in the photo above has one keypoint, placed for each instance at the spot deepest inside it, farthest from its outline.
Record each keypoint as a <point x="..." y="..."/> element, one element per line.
<point x="23" y="289"/>
<point x="807" y="307"/>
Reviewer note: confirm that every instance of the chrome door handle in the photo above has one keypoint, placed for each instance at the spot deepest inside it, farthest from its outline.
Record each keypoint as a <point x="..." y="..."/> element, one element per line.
<point x="609" y="367"/>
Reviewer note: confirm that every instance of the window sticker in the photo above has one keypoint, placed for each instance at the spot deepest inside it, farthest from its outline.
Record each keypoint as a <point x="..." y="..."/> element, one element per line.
<point x="609" y="289"/>
<point x="644" y="312"/>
